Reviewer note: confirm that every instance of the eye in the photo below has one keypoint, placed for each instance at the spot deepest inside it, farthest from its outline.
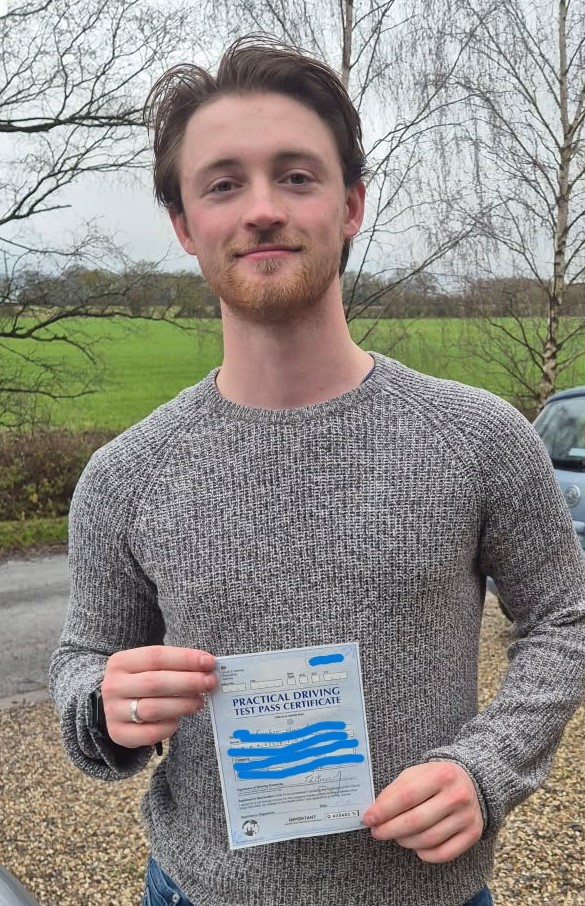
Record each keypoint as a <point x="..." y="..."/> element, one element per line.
<point x="298" y="179"/>
<point x="222" y="187"/>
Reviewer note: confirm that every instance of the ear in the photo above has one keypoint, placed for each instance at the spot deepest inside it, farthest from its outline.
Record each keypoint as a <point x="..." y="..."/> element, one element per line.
<point x="182" y="231"/>
<point x="355" y="200"/>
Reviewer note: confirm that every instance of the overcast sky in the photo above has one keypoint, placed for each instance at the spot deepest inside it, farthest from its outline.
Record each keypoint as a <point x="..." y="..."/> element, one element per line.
<point x="412" y="216"/>
<point x="126" y="212"/>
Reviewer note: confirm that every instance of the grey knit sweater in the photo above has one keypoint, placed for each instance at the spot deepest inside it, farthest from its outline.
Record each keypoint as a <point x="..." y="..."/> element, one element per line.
<point x="375" y="517"/>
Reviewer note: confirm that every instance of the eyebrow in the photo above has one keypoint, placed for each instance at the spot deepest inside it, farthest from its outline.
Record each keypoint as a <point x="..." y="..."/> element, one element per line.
<point x="293" y="155"/>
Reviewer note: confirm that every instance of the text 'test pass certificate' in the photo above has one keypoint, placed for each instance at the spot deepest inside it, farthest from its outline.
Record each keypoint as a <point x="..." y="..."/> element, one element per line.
<point x="292" y="743"/>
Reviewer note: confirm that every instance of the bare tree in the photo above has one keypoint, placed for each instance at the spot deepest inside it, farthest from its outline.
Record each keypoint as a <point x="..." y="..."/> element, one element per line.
<point x="397" y="60"/>
<point x="73" y="78"/>
<point x="523" y="74"/>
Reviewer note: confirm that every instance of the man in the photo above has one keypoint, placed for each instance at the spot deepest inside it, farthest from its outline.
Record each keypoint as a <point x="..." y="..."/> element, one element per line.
<point x="306" y="493"/>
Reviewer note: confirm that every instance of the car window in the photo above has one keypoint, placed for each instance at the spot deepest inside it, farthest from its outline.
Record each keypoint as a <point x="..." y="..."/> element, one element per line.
<point x="561" y="426"/>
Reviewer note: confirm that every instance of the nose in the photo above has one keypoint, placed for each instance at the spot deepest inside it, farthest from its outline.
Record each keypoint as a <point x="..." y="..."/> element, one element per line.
<point x="265" y="208"/>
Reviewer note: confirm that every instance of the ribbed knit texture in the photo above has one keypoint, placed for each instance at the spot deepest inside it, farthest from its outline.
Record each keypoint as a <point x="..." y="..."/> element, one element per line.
<point x="371" y="517"/>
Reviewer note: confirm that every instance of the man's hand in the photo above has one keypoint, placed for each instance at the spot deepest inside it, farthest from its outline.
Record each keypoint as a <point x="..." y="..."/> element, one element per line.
<point x="167" y="682"/>
<point x="431" y="808"/>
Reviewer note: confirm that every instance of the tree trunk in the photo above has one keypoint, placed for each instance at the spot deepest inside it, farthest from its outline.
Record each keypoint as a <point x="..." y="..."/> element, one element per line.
<point x="558" y="284"/>
<point x="347" y="19"/>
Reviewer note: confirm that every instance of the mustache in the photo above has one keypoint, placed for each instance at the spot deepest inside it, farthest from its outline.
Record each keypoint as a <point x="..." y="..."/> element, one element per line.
<point x="290" y="241"/>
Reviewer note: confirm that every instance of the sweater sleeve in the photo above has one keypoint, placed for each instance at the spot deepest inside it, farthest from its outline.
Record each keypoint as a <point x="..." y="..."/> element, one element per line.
<point x="528" y="545"/>
<point x="112" y="606"/>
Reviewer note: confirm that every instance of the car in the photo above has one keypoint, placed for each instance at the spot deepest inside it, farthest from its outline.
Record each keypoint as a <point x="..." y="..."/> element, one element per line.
<point x="561" y="426"/>
<point x="12" y="893"/>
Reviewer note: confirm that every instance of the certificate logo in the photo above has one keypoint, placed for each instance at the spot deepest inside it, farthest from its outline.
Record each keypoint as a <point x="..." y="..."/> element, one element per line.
<point x="250" y="827"/>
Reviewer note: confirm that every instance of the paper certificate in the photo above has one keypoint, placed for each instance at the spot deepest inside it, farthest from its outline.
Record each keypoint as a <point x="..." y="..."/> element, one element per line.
<point x="292" y="743"/>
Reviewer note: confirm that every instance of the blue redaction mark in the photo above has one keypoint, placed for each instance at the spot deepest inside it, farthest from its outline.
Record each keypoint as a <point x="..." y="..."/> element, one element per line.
<point x="316" y="742"/>
<point x="247" y="736"/>
<point x="326" y="659"/>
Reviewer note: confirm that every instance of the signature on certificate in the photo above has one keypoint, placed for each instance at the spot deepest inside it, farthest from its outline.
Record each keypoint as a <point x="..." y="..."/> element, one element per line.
<point x="322" y="777"/>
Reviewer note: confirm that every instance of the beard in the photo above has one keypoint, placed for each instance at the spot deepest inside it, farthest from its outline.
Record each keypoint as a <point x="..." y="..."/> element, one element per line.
<point x="275" y="290"/>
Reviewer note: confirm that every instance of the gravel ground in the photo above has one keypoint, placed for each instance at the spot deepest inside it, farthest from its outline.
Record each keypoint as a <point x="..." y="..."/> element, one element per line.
<point x="75" y="841"/>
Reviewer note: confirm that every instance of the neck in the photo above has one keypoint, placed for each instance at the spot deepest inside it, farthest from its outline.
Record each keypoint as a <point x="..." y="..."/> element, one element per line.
<point x="299" y="363"/>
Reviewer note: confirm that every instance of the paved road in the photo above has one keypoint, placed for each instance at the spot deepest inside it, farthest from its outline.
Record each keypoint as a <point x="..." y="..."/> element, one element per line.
<point x="33" y="600"/>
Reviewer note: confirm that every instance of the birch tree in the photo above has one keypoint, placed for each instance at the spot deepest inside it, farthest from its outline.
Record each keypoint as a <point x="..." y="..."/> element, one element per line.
<point x="73" y="78"/>
<point x="523" y="74"/>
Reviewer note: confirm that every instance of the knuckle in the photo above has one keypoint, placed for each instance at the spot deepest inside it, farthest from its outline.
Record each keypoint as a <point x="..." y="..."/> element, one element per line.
<point x="461" y="796"/>
<point x="157" y="653"/>
<point x="111" y="687"/>
<point x="108" y="686"/>
<point x="447" y="772"/>
<point x="113" y="660"/>
<point x="408" y="798"/>
<point x="478" y="827"/>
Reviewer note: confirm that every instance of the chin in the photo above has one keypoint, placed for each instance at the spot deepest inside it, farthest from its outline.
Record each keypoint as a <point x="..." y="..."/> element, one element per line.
<point x="272" y="309"/>
<point x="277" y="298"/>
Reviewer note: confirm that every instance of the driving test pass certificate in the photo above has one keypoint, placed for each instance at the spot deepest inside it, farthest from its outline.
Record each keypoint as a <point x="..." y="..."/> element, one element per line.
<point x="292" y="743"/>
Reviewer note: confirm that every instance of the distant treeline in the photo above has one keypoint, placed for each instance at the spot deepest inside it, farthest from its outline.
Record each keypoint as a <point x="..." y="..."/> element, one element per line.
<point x="422" y="297"/>
<point x="142" y="290"/>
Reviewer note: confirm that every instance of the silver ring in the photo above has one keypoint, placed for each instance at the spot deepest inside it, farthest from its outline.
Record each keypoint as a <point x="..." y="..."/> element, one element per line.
<point x="134" y="712"/>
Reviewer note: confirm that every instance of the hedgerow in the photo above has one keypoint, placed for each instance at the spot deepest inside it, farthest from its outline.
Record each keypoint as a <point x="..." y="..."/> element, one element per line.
<point x="39" y="470"/>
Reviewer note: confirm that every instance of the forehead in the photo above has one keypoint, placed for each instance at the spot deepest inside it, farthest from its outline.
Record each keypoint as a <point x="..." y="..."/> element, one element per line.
<point x="254" y="126"/>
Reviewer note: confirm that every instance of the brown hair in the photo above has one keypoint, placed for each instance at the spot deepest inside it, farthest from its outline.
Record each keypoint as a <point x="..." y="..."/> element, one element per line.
<point x="250" y="65"/>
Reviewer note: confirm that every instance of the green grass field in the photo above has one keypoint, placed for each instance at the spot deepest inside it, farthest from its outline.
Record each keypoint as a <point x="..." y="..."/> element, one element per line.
<point x="30" y="533"/>
<point x="146" y="363"/>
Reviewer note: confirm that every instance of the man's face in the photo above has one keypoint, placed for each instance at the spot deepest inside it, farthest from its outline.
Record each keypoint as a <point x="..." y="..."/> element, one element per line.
<point x="265" y="209"/>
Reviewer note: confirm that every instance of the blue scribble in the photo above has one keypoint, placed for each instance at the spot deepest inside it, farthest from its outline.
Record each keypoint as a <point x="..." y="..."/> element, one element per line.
<point x="248" y="772"/>
<point x="293" y="747"/>
<point x="310" y="730"/>
<point x="316" y="742"/>
<point x="284" y="757"/>
<point x="326" y="659"/>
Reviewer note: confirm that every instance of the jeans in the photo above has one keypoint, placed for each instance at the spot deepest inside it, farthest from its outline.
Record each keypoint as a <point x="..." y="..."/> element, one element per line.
<point x="483" y="898"/>
<point x="161" y="891"/>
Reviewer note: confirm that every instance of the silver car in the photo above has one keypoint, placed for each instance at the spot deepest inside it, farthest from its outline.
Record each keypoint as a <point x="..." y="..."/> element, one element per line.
<point x="12" y="893"/>
<point x="561" y="426"/>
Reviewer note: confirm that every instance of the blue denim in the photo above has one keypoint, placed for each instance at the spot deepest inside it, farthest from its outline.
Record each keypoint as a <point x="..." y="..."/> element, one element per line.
<point x="161" y="891"/>
<point x="483" y="898"/>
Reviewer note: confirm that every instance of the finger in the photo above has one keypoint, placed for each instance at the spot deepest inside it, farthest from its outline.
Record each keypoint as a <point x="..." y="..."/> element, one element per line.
<point x="410" y="789"/>
<point x="432" y="836"/>
<point x="153" y="710"/>
<point x="416" y="821"/>
<point x="450" y="849"/>
<point x="132" y="736"/>
<point x="158" y="684"/>
<point x="162" y="657"/>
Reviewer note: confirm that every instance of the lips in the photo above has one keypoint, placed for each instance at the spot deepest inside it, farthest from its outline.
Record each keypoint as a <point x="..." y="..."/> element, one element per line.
<point x="266" y="251"/>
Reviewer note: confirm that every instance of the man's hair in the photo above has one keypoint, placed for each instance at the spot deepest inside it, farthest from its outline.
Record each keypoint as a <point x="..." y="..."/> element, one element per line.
<point x="256" y="64"/>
